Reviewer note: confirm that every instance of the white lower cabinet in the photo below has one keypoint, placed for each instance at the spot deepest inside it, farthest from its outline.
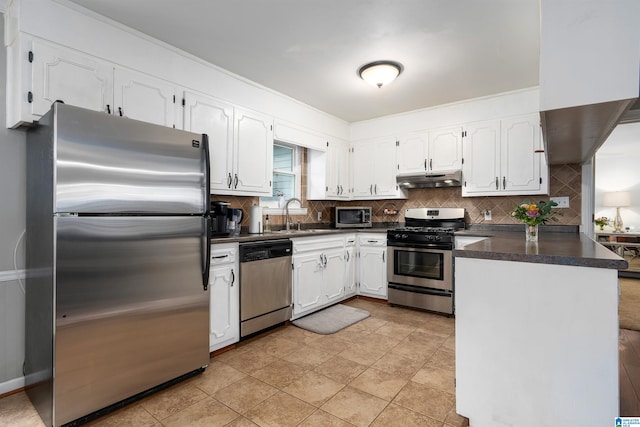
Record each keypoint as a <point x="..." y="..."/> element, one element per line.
<point x="224" y="317"/>
<point x="319" y="273"/>
<point x="372" y="265"/>
<point x="350" y="264"/>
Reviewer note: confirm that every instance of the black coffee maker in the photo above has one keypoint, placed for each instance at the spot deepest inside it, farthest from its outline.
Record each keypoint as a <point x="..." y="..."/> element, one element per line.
<point x="219" y="220"/>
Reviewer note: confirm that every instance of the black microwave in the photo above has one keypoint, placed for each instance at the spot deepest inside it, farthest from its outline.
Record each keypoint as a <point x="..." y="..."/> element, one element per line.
<point x="352" y="216"/>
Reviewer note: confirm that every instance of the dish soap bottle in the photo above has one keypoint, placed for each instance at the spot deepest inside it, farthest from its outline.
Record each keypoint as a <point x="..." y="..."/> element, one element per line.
<point x="267" y="226"/>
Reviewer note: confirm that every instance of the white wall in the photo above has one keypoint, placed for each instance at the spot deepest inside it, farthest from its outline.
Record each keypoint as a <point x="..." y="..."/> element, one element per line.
<point x="618" y="169"/>
<point x="12" y="224"/>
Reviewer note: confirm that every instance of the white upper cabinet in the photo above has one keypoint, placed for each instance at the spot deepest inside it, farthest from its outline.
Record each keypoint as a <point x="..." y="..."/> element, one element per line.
<point x="240" y="144"/>
<point x="445" y="149"/>
<point x="328" y="171"/>
<point x="59" y="74"/>
<point x="521" y="154"/>
<point x="253" y="153"/>
<point x="338" y="169"/>
<point x="433" y="151"/>
<point x="413" y="156"/>
<point x="481" y="149"/>
<point x="205" y="114"/>
<point x="504" y="157"/>
<point x="143" y="97"/>
<point x="374" y="169"/>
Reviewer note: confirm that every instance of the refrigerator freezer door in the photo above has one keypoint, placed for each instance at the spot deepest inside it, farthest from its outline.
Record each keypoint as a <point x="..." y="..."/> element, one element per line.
<point x="108" y="164"/>
<point x="131" y="309"/>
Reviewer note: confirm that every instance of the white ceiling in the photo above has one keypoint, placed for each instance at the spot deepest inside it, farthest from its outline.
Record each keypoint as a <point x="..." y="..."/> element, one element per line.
<point x="311" y="50"/>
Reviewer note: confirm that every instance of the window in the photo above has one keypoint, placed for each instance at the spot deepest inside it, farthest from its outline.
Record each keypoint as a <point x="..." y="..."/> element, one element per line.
<point x="286" y="175"/>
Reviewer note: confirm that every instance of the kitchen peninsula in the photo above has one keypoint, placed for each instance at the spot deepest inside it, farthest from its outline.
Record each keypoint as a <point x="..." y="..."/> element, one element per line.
<point x="537" y="331"/>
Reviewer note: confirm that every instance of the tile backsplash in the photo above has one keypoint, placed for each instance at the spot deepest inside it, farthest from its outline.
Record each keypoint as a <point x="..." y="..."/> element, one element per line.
<point x="566" y="180"/>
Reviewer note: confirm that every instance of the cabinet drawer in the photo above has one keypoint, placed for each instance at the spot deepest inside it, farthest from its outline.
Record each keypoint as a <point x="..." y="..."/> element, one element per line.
<point x="307" y="244"/>
<point x="224" y="253"/>
<point x="372" y="239"/>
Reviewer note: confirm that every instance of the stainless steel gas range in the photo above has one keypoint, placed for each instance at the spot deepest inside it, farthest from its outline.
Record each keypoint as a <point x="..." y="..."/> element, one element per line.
<point x="420" y="271"/>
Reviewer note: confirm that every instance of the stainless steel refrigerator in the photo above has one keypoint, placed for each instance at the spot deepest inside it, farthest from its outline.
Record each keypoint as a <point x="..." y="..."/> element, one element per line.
<point x="117" y="260"/>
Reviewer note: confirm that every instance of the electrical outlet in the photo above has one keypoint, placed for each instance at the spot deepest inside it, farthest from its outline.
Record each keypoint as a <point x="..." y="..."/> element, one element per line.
<point x="487" y="215"/>
<point x="563" y="202"/>
<point x="319" y="216"/>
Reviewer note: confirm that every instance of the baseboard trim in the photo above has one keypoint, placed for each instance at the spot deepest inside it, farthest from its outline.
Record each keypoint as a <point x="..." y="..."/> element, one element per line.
<point x="12" y="386"/>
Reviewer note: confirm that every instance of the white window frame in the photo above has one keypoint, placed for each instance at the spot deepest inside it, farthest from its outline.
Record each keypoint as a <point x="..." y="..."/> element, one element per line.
<point x="272" y="207"/>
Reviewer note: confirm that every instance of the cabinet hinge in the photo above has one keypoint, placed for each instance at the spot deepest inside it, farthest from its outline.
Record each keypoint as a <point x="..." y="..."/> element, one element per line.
<point x="30" y="97"/>
<point x="174" y="99"/>
<point x="327" y="143"/>
<point x="184" y="102"/>
<point x="271" y="127"/>
<point x="540" y="180"/>
<point x="463" y="160"/>
<point x="465" y="183"/>
<point x="269" y="183"/>
<point x="398" y="166"/>
<point x="397" y="143"/>
<point x="30" y="56"/>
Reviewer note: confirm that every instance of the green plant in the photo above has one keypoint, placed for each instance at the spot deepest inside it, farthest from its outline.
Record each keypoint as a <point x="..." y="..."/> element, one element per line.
<point x="601" y="221"/>
<point x="535" y="213"/>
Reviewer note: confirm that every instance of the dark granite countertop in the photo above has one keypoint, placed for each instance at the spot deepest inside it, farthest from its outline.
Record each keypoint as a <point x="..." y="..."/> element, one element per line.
<point x="281" y="234"/>
<point x="560" y="248"/>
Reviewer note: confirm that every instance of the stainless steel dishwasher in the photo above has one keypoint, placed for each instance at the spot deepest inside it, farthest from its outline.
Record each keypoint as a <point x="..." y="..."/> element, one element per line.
<point x="265" y="285"/>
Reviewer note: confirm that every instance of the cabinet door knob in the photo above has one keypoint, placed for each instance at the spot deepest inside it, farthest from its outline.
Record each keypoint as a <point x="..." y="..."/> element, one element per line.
<point x="108" y="109"/>
<point x="497" y="187"/>
<point x="229" y="180"/>
<point x="430" y="164"/>
<point x="120" y="111"/>
<point x="235" y="184"/>
<point x="504" y="183"/>
<point x="233" y="277"/>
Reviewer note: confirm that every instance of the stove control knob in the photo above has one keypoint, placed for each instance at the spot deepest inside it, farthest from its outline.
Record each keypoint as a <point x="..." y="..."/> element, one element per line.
<point x="438" y="238"/>
<point x="396" y="236"/>
<point x="405" y="236"/>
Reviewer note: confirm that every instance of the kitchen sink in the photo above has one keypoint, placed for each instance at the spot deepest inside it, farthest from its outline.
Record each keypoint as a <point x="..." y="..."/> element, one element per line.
<point x="307" y="230"/>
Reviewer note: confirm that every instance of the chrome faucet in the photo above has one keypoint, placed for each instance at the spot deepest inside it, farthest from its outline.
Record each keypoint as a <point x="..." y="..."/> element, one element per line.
<point x="287" y="219"/>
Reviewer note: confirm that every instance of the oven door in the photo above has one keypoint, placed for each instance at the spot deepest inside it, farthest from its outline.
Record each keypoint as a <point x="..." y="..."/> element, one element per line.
<point x="421" y="267"/>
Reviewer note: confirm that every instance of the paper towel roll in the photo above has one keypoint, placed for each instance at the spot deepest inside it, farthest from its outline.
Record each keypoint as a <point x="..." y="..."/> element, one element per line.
<point x="255" y="220"/>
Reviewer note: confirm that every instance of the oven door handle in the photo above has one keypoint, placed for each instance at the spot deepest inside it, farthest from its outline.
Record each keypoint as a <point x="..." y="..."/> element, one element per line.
<point x="419" y="290"/>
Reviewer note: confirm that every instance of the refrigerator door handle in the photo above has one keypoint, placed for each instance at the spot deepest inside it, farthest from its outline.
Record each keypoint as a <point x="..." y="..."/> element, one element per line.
<point x="207" y="162"/>
<point x="207" y="254"/>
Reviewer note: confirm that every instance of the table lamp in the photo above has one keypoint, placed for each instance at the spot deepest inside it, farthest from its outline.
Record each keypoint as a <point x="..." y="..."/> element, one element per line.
<point x="617" y="199"/>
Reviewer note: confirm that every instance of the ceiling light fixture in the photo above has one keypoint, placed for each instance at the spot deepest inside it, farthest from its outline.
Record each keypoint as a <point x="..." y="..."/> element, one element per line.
<point x="380" y="73"/>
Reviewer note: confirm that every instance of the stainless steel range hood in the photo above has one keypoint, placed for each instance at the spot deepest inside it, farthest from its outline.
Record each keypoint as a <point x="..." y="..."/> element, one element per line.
<point x="574" y="134"/>
<point x="430" y="179"/>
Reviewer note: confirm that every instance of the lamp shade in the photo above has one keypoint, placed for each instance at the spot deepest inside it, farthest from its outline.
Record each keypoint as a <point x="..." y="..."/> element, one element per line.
<point x="617" y="199"/>
<point x="380" y="73"/>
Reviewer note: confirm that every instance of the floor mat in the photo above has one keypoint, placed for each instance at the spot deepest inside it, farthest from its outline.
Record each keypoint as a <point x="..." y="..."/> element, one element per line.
<point x="331" y="319"/>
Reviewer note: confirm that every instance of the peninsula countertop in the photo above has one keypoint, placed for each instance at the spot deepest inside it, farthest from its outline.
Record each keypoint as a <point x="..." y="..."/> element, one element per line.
<point x="552" y="248"/>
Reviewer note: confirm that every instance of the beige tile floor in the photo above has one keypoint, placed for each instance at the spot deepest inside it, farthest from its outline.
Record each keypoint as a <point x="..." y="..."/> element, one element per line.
<point x="395" y="368"/>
